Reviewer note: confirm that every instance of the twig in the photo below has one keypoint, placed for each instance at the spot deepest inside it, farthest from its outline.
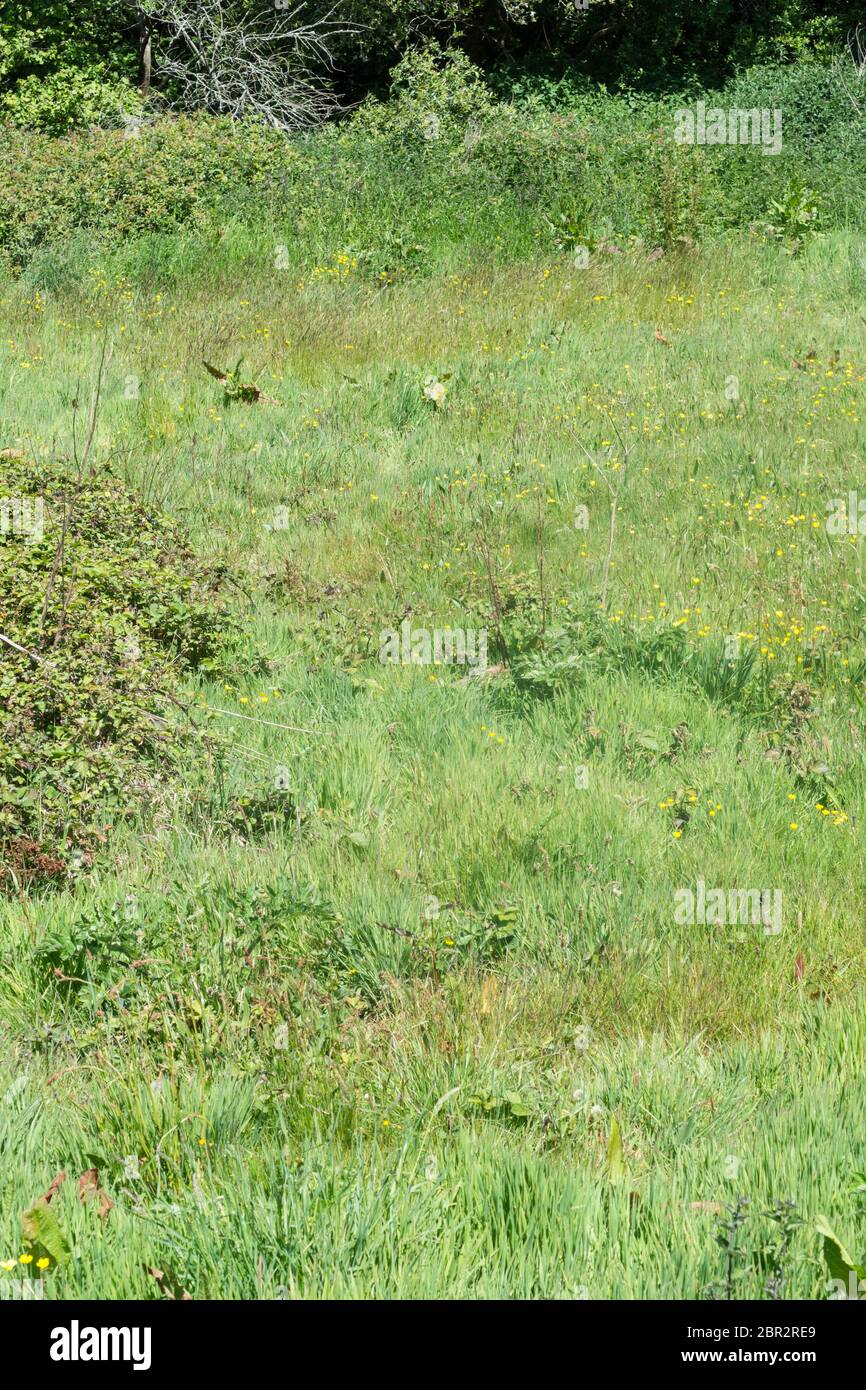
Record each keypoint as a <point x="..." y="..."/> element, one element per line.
<point x="540" y="554"/>
<point x="614" y="501"/>
<point x="291" y="728"/>
<point x="484" y="546"/>
<point x="94" y="409"/>
<point x="39" y="660"/>
<point x="398" y="931"/>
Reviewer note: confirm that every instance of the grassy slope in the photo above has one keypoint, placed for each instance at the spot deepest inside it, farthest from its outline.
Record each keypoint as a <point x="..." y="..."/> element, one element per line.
<point x="376" y="1145"/>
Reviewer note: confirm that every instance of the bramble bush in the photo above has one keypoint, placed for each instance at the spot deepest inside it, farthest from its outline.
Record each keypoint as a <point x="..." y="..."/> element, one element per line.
<point x="163" y="179"/>
<point x="110" y="606"/>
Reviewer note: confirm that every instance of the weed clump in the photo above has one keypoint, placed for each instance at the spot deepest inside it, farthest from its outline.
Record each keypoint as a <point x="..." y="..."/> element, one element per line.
<point x="103" y="606"/>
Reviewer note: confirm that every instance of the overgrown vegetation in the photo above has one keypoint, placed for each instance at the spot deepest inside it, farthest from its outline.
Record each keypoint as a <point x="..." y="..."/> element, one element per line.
<point x="326" y="972"/>
<point x="368" y="933"/>
<point x="60" y="70"/>
<point x="442" y="164"/>
<point x="104" y="609"/>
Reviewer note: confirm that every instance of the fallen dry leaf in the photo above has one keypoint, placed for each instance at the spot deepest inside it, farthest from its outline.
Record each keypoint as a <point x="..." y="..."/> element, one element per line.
<point x="482" y="673"/>
<point x="169" y="1285"/>
<point x="53" y="1190"/>
<point x="88" y="1188"/>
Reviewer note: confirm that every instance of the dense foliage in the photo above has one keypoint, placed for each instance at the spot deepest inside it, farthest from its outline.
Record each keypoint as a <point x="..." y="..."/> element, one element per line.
<point x="441" y="162"/>
<point x="62" y="67"/>
<point x="106" y="606"/>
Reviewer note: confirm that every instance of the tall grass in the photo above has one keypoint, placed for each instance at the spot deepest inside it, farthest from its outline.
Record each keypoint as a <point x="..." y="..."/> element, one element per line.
<point x="383" y="1043"/>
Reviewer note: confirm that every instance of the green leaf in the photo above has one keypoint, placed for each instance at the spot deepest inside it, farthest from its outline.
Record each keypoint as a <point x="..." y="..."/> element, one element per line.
<point x="41" y="1227"/>
<point x="839" y="1262"/>
<point x="648" y="742"/>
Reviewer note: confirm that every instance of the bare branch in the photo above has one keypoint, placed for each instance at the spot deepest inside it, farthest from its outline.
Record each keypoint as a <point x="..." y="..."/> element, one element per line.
<point x="849" y="69"/>
<point x="215" y="55"/>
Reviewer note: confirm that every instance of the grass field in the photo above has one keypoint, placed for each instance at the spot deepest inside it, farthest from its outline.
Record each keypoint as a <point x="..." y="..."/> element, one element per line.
<point x="415" y="1011"/>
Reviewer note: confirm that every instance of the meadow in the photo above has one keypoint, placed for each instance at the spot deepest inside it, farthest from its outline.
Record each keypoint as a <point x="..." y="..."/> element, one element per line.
<point x="377" y="987"/>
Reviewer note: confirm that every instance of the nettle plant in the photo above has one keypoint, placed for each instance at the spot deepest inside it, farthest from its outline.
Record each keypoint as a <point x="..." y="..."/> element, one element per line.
<point x="756" y="1247"/>
<point x="794" y="217"/>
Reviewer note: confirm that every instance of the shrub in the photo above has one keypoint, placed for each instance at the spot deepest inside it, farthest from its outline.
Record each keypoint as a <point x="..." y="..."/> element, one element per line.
<point x="63" y="66"/>
<point x="109" y="606"/>
<point x="170" y="175"/>
<point x="440" y="164"/>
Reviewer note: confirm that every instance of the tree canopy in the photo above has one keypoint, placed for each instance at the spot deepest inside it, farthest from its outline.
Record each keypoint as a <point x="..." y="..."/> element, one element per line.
<point x="62" y="66"/>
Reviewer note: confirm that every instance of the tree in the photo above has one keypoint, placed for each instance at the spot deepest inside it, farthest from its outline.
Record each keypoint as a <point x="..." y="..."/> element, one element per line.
<point x="265" y="62"/>
<point x="60" y="65"/>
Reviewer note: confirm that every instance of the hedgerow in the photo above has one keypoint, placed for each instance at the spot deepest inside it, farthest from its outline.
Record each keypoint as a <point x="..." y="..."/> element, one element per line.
<point x="440" y="163"/>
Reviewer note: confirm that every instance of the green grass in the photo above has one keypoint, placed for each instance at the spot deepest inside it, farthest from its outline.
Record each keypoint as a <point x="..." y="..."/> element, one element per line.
<point x="333" y="1090"/>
